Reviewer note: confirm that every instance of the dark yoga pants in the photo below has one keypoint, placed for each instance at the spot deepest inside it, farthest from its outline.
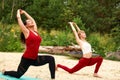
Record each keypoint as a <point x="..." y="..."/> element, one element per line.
<point x="25" y="64"/>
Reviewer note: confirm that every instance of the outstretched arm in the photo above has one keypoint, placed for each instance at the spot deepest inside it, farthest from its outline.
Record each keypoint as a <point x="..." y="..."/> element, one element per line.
<point x="29" y="17"/>
<point x="78" y="29"/>
<point x="76" y="34"/>
<point x="21" y="24"/>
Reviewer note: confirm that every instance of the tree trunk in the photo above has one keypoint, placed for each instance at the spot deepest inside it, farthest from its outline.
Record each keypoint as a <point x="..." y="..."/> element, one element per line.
<point x="12" y="9"/>
<point x="2" y="4"/>
<point x="74" y="51"/>
<point x="59" y="49"/>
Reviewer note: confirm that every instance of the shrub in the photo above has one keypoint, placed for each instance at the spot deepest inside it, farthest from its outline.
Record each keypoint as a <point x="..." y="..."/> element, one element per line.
<point x="57" y="38"/>
<point x="101" y="43"/>
<point x="9" y="38"/>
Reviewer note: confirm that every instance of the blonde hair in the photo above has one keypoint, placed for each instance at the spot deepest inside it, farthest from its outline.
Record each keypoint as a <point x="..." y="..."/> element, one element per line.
<point x="79" y="32"/>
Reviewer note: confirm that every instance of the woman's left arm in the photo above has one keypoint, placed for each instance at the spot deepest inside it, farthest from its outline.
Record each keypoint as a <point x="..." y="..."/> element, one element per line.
<point x="29" y="17"/>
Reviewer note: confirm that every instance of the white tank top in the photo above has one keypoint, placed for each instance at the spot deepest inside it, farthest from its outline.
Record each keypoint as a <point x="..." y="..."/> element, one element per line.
<point x="86" y="48"/>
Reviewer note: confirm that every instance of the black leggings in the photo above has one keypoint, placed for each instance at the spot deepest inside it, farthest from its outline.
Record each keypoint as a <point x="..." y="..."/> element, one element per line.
<point x="25" y="64"/>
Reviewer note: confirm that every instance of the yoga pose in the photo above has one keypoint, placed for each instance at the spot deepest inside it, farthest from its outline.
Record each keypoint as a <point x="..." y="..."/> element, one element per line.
<point x="87" y="59"/>
<point x="32" y="40"/>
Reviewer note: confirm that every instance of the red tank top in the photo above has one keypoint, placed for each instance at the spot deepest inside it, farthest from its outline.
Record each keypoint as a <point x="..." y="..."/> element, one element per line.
<point x="32" y="46"/>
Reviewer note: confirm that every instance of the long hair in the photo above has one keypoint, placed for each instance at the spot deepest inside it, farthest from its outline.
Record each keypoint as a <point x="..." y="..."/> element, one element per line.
<point x="22" y="37"/>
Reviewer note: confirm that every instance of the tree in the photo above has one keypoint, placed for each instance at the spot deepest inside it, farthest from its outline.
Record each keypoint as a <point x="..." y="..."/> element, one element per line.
<point x="9" y="8"/>
<point x="97" y="15"/>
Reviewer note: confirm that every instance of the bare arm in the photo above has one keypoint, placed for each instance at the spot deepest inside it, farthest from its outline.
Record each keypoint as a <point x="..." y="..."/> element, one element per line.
<point x="29" y="17"/>
<point x="75" y="34"/>
<point x="78" y="29"/>
<point x="22" y="26"/>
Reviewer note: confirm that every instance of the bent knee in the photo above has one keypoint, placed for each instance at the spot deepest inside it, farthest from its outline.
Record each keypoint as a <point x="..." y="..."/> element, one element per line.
<point x="51" y="58"/>
<point x="71" y="71"/>
<point x="100" y="58"/>
<point x="19" y="75"/>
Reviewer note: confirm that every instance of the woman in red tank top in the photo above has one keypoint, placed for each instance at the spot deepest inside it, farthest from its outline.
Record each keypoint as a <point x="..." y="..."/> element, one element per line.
<point x="32" y="40"/>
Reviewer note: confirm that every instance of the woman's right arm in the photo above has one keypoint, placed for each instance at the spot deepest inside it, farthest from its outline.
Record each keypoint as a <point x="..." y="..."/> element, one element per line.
<point x="21" y="24"/>
<point x="75" y="34"/>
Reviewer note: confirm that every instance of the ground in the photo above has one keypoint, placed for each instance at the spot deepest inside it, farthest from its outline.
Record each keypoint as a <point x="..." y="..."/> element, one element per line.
<point x="109" y="70"/>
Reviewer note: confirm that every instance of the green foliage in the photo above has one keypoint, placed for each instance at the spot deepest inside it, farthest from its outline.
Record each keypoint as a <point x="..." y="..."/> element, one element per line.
<point x="49" y="14"/>
<point x="99" y="16"/>
<point x="57" y="38"/>
<point x="80" y="23"/>
<point x="8" y="9"/>
<point x="9" y="38"/>
<point x="115" y="34"/>
<point x="102" y="43"/>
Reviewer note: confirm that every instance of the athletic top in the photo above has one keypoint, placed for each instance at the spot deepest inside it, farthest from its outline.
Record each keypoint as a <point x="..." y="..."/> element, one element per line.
<point x="32" y="46"/>
<point x="86" y="48"/>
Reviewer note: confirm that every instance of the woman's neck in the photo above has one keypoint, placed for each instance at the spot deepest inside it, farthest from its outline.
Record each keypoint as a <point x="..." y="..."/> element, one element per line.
<point x="32" y="29"/>
<point x="83" y="39"/>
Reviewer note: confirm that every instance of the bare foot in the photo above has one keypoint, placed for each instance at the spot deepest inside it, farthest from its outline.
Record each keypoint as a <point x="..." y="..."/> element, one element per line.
<point x="56" y="68"/>
<point x="96" y="75"/>
<point x="3" y="71"/>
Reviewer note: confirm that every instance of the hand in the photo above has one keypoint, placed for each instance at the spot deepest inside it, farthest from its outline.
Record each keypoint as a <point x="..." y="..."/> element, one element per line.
<point x="70" y="22"/>
<point x="18" y="13"/>
<point x="22" y="11"/>
<point x="73" y="23"/>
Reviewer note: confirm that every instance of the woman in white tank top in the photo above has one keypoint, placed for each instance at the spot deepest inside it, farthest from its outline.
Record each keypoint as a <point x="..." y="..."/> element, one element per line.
<point x="87" y="59"/>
